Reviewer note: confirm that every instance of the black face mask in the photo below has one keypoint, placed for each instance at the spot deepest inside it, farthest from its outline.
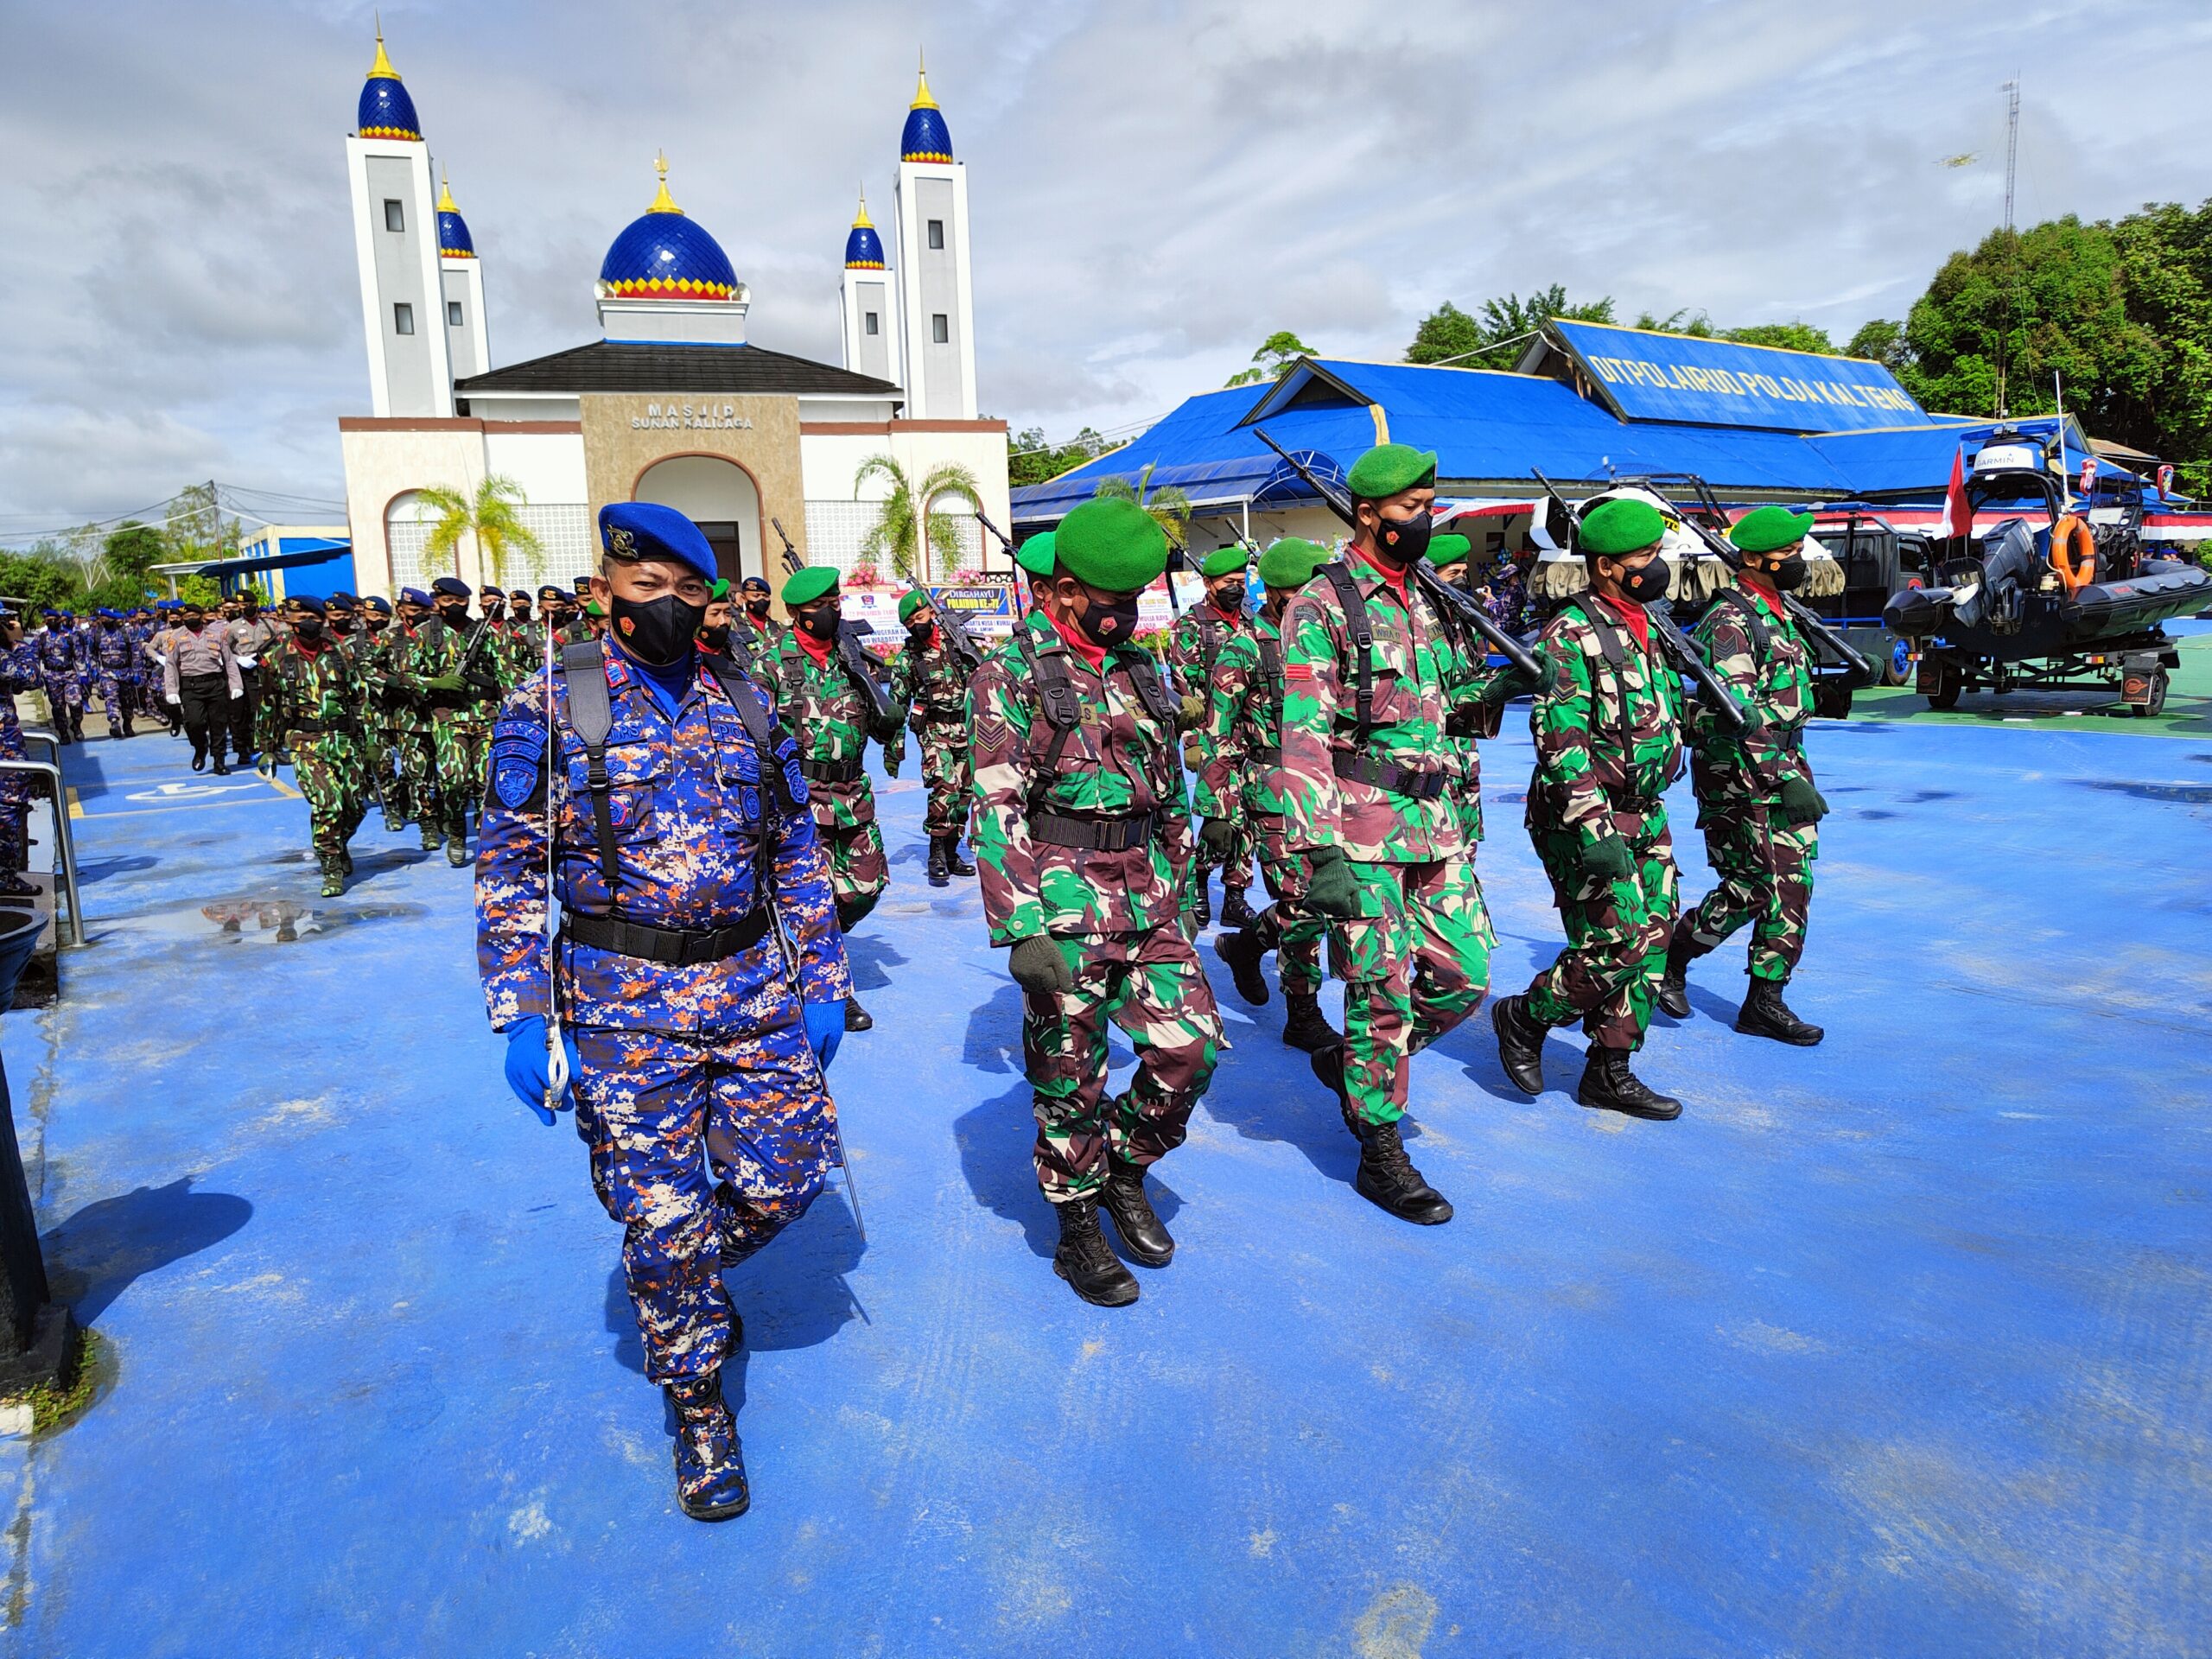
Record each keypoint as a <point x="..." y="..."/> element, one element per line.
<point x="656" y="632"/>
<point x="820" y="624"/>
<point x="1111" y="624"/>
<point x="715" y="637"/>
<point x="341" y="625"/>
<point x="1403" y="542"/>
<point x="1789" y="574"/>
<point x="1645" y="582"/>
<point x="377" y="623"/>
<point x="454" y="616"/>
<point x="308" y="628"/>
<point x="757" y="609"/>
<point x="1229" y="597"/>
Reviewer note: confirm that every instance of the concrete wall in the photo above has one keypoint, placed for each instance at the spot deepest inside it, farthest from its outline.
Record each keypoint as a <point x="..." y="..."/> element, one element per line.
<point x="869" y="292"/>
<point x="469" y="345"/>
<point x="712" y="493"/>
<point x="414" y="366"/>
<point x="387" y="459"/>
<point x="625" y="434"/>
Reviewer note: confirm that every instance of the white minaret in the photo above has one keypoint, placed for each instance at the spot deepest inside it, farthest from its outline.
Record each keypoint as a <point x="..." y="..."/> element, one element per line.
<point x="935" y="293"/>
<point x="468" y="339"/>
<point x="395" y="241"/>
<point x="870" y="308"/>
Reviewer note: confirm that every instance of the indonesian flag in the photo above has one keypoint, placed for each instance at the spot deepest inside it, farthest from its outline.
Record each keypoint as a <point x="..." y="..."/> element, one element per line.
<point x="1958" y="515"/>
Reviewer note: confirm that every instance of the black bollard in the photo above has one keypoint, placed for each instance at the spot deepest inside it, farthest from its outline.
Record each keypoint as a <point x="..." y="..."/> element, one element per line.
<point x="38" y="1341"/>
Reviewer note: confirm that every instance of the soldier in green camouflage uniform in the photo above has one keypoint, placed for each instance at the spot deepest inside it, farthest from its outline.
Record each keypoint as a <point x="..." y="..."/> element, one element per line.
<point x="1366" y="777"/>
<point x="832" y="714"/>
<point x="309" y="697"/>
<point x="1193" y="644"/>
<point x="1755" y="798"/>
<point x="383" y="714"/>
<point x="929" y="687"/>
<point x="461" y="708"/>
<point x="1084" y="837"/>
<point x="1607" y="729"/>
<point x="1238" y="784"/>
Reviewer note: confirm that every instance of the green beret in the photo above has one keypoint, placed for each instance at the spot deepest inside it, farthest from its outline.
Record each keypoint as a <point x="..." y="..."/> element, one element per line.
<point x="1036" y="555"/>
<point x="1223" y="561"/>
<point x="912" y="602"/>
<point x="1389" y="468"/>
<point x="1765" y="529"/>
<point x="719" y="592"/>
<point x="1113" y="545"/>
<point x="593" y="607"/>
<point x="1448" y="550"/>
<point x="1291" y="562"/>
<point x="1623" y="525"/>
<point x="809" y="583"/>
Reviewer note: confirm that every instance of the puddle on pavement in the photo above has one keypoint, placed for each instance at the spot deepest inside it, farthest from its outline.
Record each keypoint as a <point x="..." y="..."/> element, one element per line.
<point x="2184" y="794"/>
<point x="270" y="918"/>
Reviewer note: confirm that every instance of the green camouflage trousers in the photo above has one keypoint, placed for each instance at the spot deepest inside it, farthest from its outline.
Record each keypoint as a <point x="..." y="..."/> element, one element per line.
<point x="1151" y="985"/>
<point x="418" y="779"/>
<point x="844" y="822"/>
<point x="944" y="744"/>
<point x="328" y="767"/>
<point x="461" y="745"/>
<point x="1617" y="933"/>
<point x="1287" y="927"/>
<point x="380" y="760"/>
<point x="1766" y="869"/>
<point x="1415" y="964"/>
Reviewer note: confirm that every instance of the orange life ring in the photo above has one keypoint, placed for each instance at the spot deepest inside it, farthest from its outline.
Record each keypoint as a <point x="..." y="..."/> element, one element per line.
<point x="2073" y="553"/>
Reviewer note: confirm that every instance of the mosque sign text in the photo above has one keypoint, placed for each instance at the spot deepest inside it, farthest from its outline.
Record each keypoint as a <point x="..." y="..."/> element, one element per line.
<point x="698" y="417"/>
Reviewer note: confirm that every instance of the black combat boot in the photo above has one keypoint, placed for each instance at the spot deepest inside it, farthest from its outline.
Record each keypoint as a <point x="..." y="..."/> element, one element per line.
<point x="1142" y="1232"/>
<point x="856" y="1017"/>
<point x="1242" y="950"/>
<point x="346" y="860"/>
<point x="334" y="879"/>
<point x="1675" y="988"/>
<point x="457" y="849"/>
<point x="939" y="875"/>
<point x="710" y="1482"/>
<point x="1328" y="1065"/>
<point x="1204" y="877"/>
<point x="1236" y="909"/>
<point x="1609" y="1085"/>
<point x="953" y="860"/>
<point x="1092" y="1271"/>
<point x="1306" y="1028"/>
<point x="219" y="768"/>
<point x="1387" y="1180"/>
<point x="1765" y="1014"/>
<point x="1520" y="1043"/>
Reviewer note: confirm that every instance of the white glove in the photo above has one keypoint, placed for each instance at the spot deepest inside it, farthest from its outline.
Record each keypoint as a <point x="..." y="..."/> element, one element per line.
<point x="171" y="696"/>
<point x="236" y="694"/>
<point x="246" y="662"/>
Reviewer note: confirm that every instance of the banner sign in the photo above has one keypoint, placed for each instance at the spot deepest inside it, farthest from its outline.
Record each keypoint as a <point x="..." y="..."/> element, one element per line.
<point x="1654" y="376"/>
<point x="987" y="609"/>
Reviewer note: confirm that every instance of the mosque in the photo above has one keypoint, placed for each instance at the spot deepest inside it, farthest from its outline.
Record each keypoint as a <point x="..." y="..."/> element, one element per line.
<point x="672" y="404"/>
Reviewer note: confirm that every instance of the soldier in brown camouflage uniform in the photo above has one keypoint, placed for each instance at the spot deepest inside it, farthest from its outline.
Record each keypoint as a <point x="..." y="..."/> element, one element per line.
<point x="1085" y="844"/>
<point x="929" y="687"/>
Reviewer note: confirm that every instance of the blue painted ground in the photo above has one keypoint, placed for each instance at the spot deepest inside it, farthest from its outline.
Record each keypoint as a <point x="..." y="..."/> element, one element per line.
<point x="1900" y="1346"/>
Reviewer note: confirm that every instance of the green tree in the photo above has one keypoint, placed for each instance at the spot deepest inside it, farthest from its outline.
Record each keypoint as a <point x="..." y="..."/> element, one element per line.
<point x="38" y="578"/>
<point x="1790" y="336"/>
<point x="1446" y="332"/>
<point x="128" y="558"/>
<point x="1883" y="342"/>
<point x="1031" y="458"/>
<point x="1680" y="321"/>
<point x="1495" y="337"/>
<point x="1169" y="507"/>
<point x="1273" y="360"/>
<point x="909" y="528"/>
<point x="491" y="515"/>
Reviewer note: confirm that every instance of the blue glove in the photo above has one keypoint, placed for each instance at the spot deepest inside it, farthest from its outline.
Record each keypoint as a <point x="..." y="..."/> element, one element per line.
<point x="825" y="1029"/>
<point x="526" y="1070"/>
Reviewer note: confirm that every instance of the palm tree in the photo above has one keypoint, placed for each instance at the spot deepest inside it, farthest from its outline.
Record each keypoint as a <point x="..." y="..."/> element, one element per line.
<point x="1169" y="507"/>
<point x="908" y="527"/>
<point x="490" y="516"/>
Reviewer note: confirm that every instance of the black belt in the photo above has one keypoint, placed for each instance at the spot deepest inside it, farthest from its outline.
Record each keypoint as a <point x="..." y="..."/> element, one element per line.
<point x="319" y="727"/>
<point x="1273" y="757"/>
<point x="1398" y="780"/>
<point x="831" y="771"/>
<point x="932" y="717"/>
<point x="675" y="947"/>
<point x="1092" y="834"/>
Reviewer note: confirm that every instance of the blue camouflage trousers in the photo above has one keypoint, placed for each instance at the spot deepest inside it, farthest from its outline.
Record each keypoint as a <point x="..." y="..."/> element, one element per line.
<point x="700" y="1143"/>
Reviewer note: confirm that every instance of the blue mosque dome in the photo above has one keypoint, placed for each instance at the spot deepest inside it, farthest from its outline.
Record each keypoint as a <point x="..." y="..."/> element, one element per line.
<point x="662" y="255"/>
<point x="926" y="138"/>
<point x="863" y="247"/>
<point x="453" y="240"/>
<point x="387" y="111"/>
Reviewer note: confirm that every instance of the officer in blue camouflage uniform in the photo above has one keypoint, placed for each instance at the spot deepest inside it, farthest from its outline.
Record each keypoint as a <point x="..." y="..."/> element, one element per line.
<point x="61" y="675"/>
<point x="19" y="672"/>
<point x="701" y="979"/>
<point x="115" y="673"/>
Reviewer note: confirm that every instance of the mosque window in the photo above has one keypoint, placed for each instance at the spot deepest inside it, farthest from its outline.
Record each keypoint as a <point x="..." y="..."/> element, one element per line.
<point x="453" y="314"/>
<point x="402" y="318"/>
<point x="940" y="327"/>
<point x="395" y="215"/>
<point x="936" y="234"/>
<point x="872" y="325"/>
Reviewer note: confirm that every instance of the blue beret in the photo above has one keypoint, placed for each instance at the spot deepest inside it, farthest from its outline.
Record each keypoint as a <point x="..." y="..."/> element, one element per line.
<point x="451" y="588"/>
<point x="378" y="603"/>
<point x="343" y="600"/>
<point x="307" y="604"/>
<point x="414" y="596"/>
<point x="645" y="530"/>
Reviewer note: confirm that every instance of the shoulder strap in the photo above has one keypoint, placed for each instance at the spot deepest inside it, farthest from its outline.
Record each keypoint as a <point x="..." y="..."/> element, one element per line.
<point x="591" y="713"/>
<point x="1062" y="706"/>
<point x="1151" y="689"/>
<point x="1363" y="638"/>
<point x="1270" y="656"/>
<point x="1754" y="624"/>
<point x="759" y="721"/>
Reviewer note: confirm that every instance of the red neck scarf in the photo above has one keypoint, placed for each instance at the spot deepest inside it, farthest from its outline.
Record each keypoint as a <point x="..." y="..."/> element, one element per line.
<point x="1638" y="618"/>
<point x="818" y="649"/>
<point x="1077" y="643"/>
<point x="1229" y="616"/>
<point x="311" y="647"/>
<point x="1761" y="585"/>
<point x="1395" y="579"/>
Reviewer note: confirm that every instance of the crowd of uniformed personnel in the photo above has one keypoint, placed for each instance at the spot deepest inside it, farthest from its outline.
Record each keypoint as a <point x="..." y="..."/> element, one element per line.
<point x="678" y="833"/>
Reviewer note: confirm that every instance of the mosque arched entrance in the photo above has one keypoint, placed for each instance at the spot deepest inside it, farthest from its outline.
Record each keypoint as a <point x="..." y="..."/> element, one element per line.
<point x="717" y="495"/>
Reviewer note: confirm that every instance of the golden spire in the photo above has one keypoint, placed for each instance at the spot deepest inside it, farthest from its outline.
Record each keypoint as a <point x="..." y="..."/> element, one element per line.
<point x="445" y="194"/>
<point x="922" y="99"/>
<point x="663" y="203"/>
<point x="382" y="67"/>
<point x="862" y="223"/>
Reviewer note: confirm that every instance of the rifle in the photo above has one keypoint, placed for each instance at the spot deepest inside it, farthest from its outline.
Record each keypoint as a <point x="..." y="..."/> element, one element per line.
<point x="1681" y="655"/>
<point x="1005" y="541"/>
<point x="956" y="631"/>
<point x="793" y="564"/>
<point x="1812" y="624"/>
<point x="1448" y="600"/>
<point x="862" y="664"/>
<point x="469" y="669"/>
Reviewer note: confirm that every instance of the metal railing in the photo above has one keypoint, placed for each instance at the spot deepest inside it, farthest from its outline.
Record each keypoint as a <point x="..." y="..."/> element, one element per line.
<point x="66" y="848"/>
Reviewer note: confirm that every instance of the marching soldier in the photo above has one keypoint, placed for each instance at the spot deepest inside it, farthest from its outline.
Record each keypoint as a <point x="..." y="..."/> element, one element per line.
<point x="62" y="671"/>
<point x="252" y="636"/>
<point x="1084" y="834"/>
<point x="19" y="672"/>
<point x="414" y="743"/>
<point x="767" y="633"/>
<point x="310" y="698"/>
<point x="827" y="695"/>
<point x="1607" y="729"/>
<point x="1755" y="798"/>
<point x="201" y="683"/>
<point x="451" y="666"/>
<point x="1448" y="553"/>
<point x="929" y="688"/>
<point x="695" y="1044"/>
<point x="1372" y="675"/>
<point x="716" y="621"/>
<point x="1035" y="558"/>
<point x="115" y="670"/>
<point x="1193" y="645"/>
<point x="383" y="714"/>
<point x="1239" y="783"/>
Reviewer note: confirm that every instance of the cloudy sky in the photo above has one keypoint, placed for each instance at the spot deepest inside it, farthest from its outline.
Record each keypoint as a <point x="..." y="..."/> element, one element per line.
<point x="1154" y="186"/>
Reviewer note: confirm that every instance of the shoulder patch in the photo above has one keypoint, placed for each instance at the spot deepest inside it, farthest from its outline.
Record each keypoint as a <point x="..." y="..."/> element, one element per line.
<point x="516" y="762"/>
